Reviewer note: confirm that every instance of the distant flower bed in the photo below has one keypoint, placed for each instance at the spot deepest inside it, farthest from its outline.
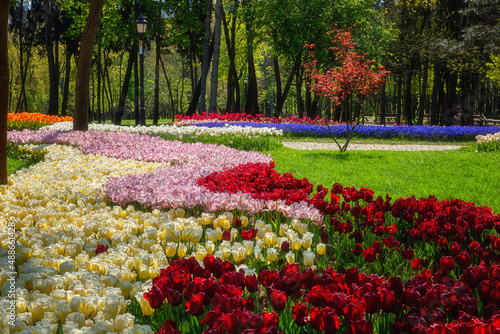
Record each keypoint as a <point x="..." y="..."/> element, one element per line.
<point x="32" y="121"/>
<point x="240" y="137"/>
<point x="489" y="142"/>
<point x="416" y="132"/>
<point x="237" y="117"/>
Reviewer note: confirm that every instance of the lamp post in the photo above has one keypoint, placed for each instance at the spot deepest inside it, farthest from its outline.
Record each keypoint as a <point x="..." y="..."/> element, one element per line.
<point x="141" y="29"/>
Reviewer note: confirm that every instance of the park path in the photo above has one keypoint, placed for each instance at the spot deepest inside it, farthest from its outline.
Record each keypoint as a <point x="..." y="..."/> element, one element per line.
<point x="370" y="147"/>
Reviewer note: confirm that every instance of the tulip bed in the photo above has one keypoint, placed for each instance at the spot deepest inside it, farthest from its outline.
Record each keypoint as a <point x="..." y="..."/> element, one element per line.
<point x="32" y="121"/>
<point x="126" y="232"/>
<point x="402" y="132"/>
<point x="489" y="142"/>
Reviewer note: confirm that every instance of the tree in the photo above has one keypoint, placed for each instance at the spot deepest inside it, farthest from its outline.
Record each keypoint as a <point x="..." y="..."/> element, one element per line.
<point x="354" y="78"/>
<point x="4" y="87"/>
<point x="215" y="61"/>
<point x="80" y="119"/>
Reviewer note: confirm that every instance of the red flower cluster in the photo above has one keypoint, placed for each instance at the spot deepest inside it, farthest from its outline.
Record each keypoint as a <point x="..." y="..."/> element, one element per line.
<point x="259" y="118"/>
<point x="261" y="181"/>
<point x="215" y="291"/>
<point x="101" y="249"/>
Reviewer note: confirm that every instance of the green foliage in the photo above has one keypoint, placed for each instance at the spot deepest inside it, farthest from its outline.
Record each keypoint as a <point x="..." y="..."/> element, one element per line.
<point x="256" y="143"/>
<point x="22" y="157"/>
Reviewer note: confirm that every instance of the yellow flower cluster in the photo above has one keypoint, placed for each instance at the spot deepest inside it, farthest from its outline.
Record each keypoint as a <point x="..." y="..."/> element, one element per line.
<point x="61" y="215"/>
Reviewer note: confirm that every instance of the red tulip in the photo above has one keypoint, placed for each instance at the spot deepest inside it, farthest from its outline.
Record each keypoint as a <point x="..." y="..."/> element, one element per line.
<point x="300" y="314"/>
<point x="370" y="254"/>
<point x="278" y="299"/>
<point x="226" y="235"/>
<point x="416" y="263"/>
<point x="174" y="297"/>
<point x="447" y="263"/>
<point x="251" y="283"/>
<point x="464" y="259"/>
<point x="196" y="305"/>
<point x="154" y="297"/>
<point x="388" y="301"/>
<point x="362" y="326"/>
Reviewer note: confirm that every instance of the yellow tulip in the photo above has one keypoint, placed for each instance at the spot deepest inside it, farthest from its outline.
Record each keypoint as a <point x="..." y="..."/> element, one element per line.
<point x="182" y="250"/>
<point x="272" y="254"/>
<point x="171" y="249"/>
<point x="290" y="257"/>
<point x="320" y="248"/>
<point x="308" y="258"/>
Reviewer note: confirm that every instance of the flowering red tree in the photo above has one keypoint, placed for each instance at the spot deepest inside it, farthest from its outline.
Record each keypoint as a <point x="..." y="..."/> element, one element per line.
<point x="356" y="77"/>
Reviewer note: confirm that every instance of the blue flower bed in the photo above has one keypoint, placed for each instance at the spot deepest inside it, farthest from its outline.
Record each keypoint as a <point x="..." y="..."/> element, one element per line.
<point x="372" y="131"/>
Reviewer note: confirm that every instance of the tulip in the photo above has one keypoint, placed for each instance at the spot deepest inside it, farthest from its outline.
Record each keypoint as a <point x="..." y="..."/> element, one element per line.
<point x="272" y="255"/>
<point x="195" y="306"/>
<point x="278" y="299"/>
<point x="210" y="247"/>
<point x="321" y="249"/>
<point x="270" y="239"/>
<point x="248" y="245"/>
<point x="182" y="250"/>
<point x="171" y="249"/>
<point x="307" y="240"/>
<point x="290" y="257"/>
<point x="296" y="244"/>
<point x="308" y="258"/>
<point x="257" y="253"/>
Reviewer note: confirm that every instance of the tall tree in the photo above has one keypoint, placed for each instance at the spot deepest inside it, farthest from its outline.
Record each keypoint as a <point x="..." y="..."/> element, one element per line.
<point x="215" y="59"/>
<point x="206" y="60"/>
<point x="49" y="18"/>
<point x="252" y="93"/>
<point x="4" y="87"/>
<point x="80" y="118"/>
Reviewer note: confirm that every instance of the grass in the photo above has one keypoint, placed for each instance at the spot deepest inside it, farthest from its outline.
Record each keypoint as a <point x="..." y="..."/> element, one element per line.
<point x="464" y="174"/>
<point x="14" y="164"/>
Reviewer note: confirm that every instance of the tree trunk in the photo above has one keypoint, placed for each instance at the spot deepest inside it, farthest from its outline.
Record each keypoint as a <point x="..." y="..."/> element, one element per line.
<point x="206" y="58"/>
<point x="435" y="93"/>
<point x="212" y="107"/>
<point x="53" y="70"/>
<point x="252" y="98"/>
<point x="67" y="77"/>
<point x="80" y="120"/>
<point x="298" y="91"/>
<point x="423" y="95"/>
<point x="232" y="77"/>
<point x="4" y="87"/>
<point x="169" y="90"/>
<point x="156" y="105"/>
<point x="136" y="90"/>
<point x="399" y="83"/>
<point x="126" y="83"/>
<point x="383" y="103"/>
<point x="282" y="95"/>
<point x="197" y="90"/>
<point x="99" y="86"/>
<point x="408" y="98"/>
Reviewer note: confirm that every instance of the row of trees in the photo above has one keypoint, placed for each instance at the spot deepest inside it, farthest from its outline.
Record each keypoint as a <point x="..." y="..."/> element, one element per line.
<point x="247" y="55"/>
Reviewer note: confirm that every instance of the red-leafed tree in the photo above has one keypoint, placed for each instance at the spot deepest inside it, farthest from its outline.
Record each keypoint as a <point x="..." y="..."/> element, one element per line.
<point x="354" y="79"/>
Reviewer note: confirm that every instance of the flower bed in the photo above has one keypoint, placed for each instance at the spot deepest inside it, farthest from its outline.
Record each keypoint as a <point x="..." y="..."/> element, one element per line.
<point x="358" y="264"/>
<point x="415" y="132"/>
<point x="237" y="117"/>
<point x="489" y="142"/>
<point x="32" y="121"/>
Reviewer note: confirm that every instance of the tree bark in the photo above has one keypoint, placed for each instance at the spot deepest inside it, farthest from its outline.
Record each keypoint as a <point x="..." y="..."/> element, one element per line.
<point x="169" y="90"/>
<point x="126" y="83"/>
<point x="4" y="87"/>
<point x="53" y="70"/>
<point x="212" y="107"/>
<point x="206" y="59"/>
<point x="197" y="89"/>
<point x="282" y="94"/>
<point x="298" y="90"/>
<point x="232" y="104"/>
<point x="423" y="94"/>
<point x="156" y="105"/>
<point x="436" y="93"/>
<point x="136" y="89"/>
<point x="408" y="100"/>
<point x="80" y="120"/>
<point x="67" y="76"/>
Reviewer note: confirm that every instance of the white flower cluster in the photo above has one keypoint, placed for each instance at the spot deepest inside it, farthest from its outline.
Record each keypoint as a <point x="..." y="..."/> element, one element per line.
<point x="489" y="138"/>
<point x="178" y="131"/>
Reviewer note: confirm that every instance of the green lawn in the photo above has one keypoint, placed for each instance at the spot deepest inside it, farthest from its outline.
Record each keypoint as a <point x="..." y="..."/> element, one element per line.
<point x="464" y="173"/>
<point x="14" y="165"/>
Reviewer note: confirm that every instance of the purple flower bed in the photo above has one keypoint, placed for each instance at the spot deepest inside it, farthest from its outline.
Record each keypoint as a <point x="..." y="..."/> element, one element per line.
<point x="372" y="131"/>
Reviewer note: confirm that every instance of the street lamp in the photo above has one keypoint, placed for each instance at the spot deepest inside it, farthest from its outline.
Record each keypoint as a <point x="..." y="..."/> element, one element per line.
<point x="142" y="24"/>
